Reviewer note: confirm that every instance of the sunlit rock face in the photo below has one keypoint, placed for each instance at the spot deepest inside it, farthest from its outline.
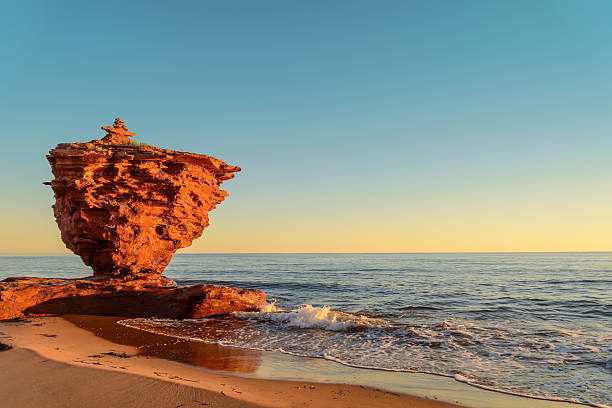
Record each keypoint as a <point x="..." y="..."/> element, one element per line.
<point x="126" y="208"/>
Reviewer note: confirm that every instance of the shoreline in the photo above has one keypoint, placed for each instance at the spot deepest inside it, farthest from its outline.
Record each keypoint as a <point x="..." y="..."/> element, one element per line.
<point x="423" y="384"/>
<point x="98" y="342"/>
<point x="54" y="363"/>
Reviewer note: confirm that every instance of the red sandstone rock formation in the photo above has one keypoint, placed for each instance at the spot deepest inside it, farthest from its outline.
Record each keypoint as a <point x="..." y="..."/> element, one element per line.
<point x="124" y="208"/>
<point x="118" y="297"/>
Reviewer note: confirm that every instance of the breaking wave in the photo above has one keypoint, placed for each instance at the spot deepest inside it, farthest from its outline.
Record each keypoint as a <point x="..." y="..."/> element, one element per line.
<point x="311" y="317"/>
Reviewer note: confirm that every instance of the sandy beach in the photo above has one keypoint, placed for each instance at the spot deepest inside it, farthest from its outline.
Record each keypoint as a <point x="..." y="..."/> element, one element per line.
<point x="64" y="365"/>
<point x="92" y="361"/>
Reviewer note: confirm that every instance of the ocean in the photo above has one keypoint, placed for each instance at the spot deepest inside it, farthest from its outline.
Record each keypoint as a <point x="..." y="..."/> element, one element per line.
<point x="535" y="324"/>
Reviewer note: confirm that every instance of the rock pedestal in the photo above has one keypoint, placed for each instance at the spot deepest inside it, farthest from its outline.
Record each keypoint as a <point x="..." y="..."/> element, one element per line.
<point x="125" y="209"/>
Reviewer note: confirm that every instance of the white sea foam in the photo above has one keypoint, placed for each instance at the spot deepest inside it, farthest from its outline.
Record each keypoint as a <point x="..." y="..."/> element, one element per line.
<point x="308" y="316"/>
<point x="270" y="307"/>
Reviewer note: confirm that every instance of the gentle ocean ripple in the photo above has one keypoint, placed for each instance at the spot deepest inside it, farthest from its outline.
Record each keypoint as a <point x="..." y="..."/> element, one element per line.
<point x="538" y="324"/>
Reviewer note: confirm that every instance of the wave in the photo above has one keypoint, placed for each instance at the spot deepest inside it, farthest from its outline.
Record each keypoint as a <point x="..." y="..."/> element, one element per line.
<point x="577" y="281"/>
<point x="312" y="317"/>
<point x="418" y="308"/>
<point x="309" y="316"/>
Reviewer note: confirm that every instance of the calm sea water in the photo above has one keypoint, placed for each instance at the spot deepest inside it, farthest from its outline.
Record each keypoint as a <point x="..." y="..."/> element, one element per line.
<point x="538" y="324"/>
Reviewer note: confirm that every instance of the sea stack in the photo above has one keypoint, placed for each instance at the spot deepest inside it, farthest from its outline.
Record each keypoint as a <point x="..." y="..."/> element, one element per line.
<point x="125" y="208"/>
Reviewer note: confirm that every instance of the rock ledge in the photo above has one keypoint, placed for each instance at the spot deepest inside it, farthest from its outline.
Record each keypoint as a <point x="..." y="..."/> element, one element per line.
<point x="21" y="297"/>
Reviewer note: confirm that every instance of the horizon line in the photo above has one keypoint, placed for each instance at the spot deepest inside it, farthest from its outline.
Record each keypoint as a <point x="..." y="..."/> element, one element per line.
<point x="331" y="253"/>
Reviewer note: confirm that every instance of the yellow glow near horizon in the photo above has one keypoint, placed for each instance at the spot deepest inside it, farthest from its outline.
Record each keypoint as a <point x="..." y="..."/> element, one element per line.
<point x="526" y="219"/>
<point x="465" y="228"/>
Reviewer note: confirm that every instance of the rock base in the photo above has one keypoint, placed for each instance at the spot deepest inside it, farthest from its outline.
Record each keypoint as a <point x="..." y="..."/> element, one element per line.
<point x="21" y="297"/>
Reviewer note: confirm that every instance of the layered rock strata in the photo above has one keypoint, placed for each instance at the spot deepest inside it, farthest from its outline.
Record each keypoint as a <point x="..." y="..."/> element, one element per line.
<point x="125" y="209"/>
<point x="21" y="297"/>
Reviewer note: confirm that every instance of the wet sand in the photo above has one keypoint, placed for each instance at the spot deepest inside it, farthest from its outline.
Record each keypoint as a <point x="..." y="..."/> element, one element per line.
<point x="92" y="361"/>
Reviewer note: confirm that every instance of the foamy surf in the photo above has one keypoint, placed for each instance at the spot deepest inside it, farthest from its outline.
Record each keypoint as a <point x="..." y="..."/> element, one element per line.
<point x="307" y="317"/>
<point x="312" y="317"/>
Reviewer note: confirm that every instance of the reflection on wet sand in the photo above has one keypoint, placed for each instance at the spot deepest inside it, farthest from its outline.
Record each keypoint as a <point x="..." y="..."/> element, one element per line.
<point x="279" y="366"/>
<point x="206" y="355"/>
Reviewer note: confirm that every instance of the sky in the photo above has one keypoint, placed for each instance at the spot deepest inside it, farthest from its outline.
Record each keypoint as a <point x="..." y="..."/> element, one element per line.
<point x="361" y="126"/>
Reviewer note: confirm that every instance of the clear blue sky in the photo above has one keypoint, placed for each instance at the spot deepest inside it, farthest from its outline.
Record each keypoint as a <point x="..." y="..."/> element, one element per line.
<point x="360" y="125"/>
